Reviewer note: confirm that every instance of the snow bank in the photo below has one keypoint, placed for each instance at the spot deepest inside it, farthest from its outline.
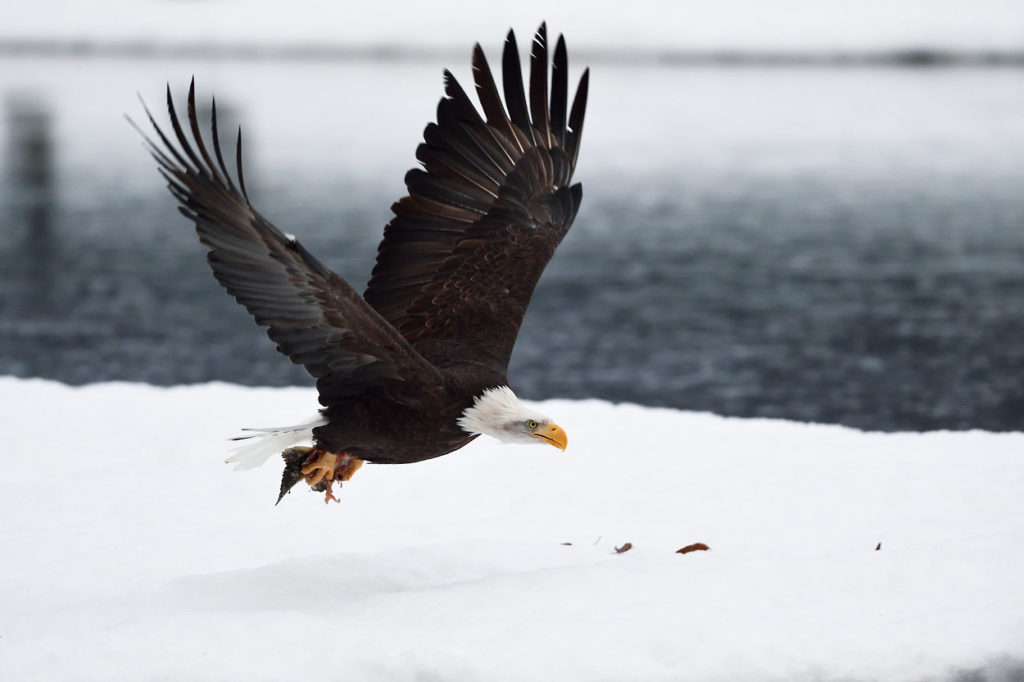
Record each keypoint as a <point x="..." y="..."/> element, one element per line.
<point x="650" y="25"/>
<point x="132" y="552"/>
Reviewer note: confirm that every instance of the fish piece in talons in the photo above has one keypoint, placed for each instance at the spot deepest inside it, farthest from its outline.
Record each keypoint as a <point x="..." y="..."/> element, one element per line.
<point x="318" y="468"/>
<point x="329" y="494"/>
<point x="295" y="459"/>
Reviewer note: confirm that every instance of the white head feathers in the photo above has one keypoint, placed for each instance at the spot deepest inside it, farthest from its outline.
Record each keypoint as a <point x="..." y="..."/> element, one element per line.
<point x="498" y="413"/>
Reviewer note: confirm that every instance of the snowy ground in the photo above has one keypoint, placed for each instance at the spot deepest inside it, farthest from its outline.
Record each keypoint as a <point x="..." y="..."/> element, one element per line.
<point x="131" y="552"/>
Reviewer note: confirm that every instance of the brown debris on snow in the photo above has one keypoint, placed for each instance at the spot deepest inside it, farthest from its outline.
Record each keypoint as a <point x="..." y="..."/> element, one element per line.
<point x="695" y="547"/>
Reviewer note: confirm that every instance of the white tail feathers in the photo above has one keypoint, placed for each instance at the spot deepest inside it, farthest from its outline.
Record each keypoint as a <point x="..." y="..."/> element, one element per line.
<point x="264" y="443"/>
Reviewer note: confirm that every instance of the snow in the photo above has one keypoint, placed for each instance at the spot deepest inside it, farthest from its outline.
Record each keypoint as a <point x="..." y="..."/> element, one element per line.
<point x="646" y="25"/>
<point x="131" y="551"/>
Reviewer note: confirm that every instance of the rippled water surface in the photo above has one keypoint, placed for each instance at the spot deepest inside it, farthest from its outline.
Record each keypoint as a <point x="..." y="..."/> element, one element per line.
<point x="842" y="245"/>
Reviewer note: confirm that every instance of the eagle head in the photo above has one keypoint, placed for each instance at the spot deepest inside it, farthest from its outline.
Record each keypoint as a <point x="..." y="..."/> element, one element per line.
<point x="498" y="413"/>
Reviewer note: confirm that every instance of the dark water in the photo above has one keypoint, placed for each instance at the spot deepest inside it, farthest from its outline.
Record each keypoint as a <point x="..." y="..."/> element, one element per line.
<point x="839" y="245"/>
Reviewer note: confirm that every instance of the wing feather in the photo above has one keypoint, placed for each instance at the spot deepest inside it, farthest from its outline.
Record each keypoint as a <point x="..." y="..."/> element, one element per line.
<point x="466" y="247"/>
<point x="313" y="315"/>
<point x="559" y="93"/>
<point x="490" y="100"/>
<point x="515" y="97"/>
<point x="539" y="86"/>
<point x="579" y="106"/>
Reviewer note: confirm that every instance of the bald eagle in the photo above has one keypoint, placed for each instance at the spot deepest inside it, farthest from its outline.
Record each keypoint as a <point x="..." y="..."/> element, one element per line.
<point x="416" y="367"/>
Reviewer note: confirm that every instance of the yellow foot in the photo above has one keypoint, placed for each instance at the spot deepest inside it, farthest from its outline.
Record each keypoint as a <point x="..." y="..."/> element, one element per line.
<point x="349" y="468"/>
<point x="328" y="467"/>
<point x="321" y="468"/>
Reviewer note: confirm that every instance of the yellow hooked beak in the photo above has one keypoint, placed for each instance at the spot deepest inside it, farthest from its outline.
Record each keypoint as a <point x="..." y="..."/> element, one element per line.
<point x="553" y="435"/>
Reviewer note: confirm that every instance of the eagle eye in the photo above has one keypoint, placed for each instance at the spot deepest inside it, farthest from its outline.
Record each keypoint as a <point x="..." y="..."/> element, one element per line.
<point x="531" y="424"/>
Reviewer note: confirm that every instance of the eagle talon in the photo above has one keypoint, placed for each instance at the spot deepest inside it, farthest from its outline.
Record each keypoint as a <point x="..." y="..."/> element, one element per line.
<point x="348" y="468"/>
<point x="323" y="468"/>
<point x="320" y="469"/>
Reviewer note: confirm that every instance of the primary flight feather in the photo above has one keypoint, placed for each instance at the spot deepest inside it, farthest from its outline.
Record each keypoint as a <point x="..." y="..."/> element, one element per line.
<point x="415" y="367"/>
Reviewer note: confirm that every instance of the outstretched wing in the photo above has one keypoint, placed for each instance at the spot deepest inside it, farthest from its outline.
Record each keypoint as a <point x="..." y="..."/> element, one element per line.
<point x="313" y="315"/>
<point x="460" y="260"/>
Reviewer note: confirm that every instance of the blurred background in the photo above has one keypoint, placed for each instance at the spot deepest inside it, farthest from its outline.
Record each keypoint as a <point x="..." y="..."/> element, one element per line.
<point x="795" y="209"/>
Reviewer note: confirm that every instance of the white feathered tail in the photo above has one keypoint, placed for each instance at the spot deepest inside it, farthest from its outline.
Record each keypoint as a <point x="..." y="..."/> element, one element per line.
<point x="265" y="443"/>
